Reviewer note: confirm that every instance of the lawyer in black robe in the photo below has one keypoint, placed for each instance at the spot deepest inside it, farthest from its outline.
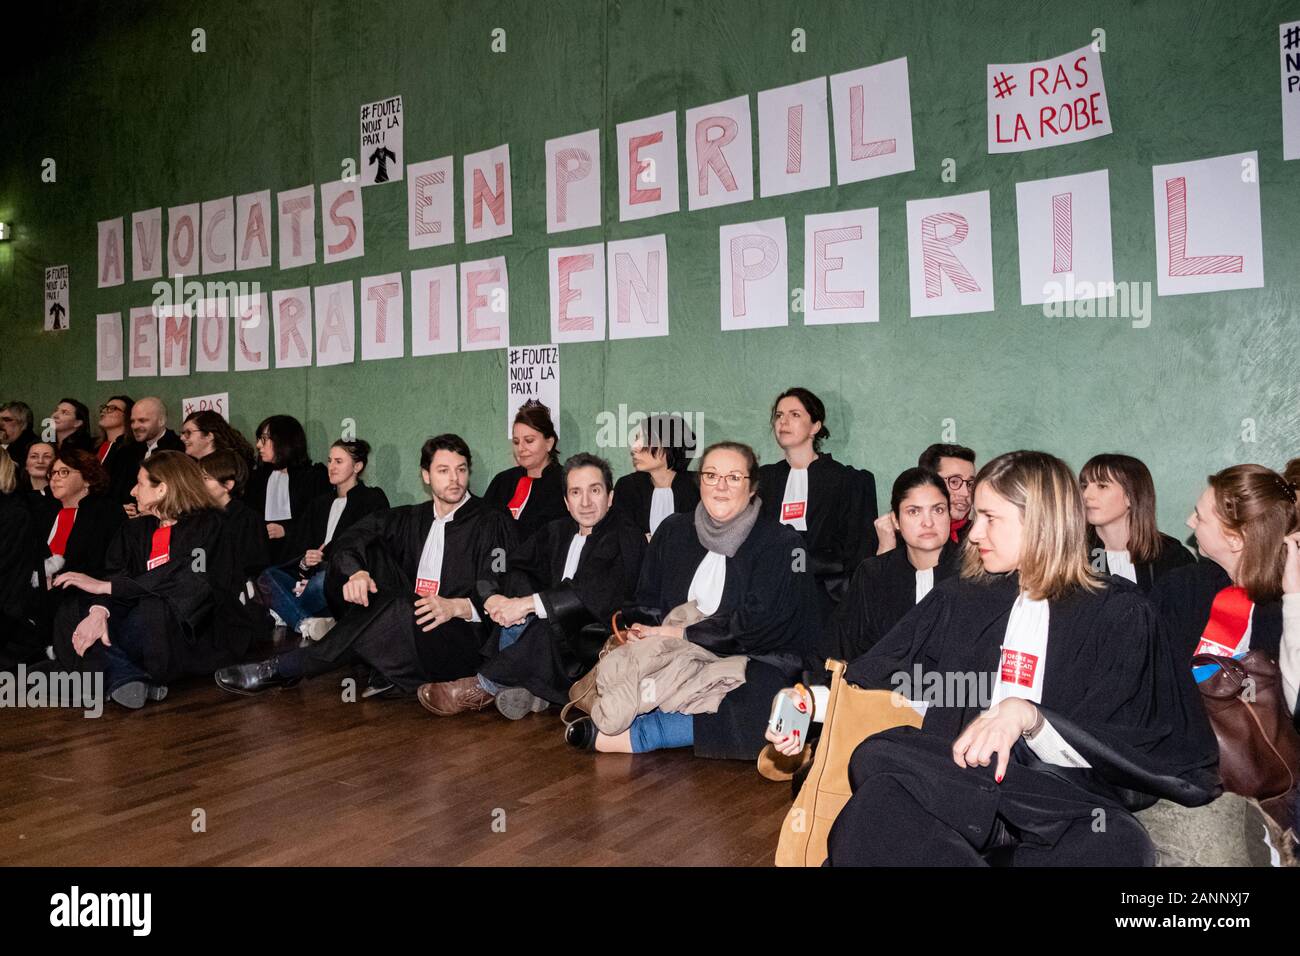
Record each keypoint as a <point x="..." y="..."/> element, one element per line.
<point x="307" y="482"/>
<point x="19" y="642"/>
<point x="545" y="499"/>
<point x="180" y="618"/>
<point x="841" y="518"/>
<point x="1172" y="555"/>
<point x="768" y="612"/>
<point x="882" y="591"/>
<point x="633" y="494"/>
<point x="388" y="544"/>
<point x="554" y="652"/>
<point x="1111" y="689"/>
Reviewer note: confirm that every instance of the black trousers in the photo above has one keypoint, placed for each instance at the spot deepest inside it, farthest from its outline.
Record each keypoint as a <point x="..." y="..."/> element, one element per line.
<point x="386" y="637"/>
<point x="913" y="806"/>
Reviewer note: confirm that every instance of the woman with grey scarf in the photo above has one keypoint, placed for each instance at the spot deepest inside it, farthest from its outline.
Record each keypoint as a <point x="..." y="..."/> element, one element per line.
<point x="734" y="583"/>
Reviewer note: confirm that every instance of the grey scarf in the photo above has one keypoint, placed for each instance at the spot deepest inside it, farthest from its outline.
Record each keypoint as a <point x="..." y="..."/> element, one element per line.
<point x="726" y="538"/>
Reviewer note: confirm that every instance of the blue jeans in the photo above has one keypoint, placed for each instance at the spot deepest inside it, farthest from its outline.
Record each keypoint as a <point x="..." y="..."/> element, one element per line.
<point x="275" y="587"/>
<point x="508" y="636"/>
<point x="659" y="731"/>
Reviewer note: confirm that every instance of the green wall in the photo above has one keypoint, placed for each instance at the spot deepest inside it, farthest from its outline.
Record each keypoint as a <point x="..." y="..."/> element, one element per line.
<point x="136" y="120"/>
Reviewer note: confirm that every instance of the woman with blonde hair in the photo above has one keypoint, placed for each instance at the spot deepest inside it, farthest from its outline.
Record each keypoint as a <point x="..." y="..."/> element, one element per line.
<point x="162" y="610"/>
<point x="1050" y="698"/>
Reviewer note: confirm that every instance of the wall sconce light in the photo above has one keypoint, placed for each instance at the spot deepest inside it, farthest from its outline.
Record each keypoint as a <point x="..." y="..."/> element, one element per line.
<point x="6" y="232"/>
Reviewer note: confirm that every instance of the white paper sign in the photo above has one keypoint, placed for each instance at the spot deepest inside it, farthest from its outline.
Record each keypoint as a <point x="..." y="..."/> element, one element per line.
<point x="430" y="204"/>
<point x="1208" y="234"/>
<point x="143" y="343"/>
<point x="253" y="230"/>
<point x="489" y="213"/>
<point x="637" y="284"/>
<point x="1289" y="41"/>
<point x="108" y="347"/>
<point x="533" y="374"/>
<point x="183" y="240"/>
<point x="110" y="268"/>
<point x="841" y="267"/>
<point x="146" y="244"/>
<point x="383" y="317"/>
<point x="57" y="316"/>
<point x="1047" y="102"/>
<point x="794" y="143"/>
<point x="174" y="328"/>
<point x="381" y="141"/>
<point x="252" y="322"/>
<point x="873" y="122"/>
<point x="343" y="223"/>
<point x="293" y="331"/>
<point x="297" y="220"/>
<point x="219" y="235"/>
<point x="1065" y="244"/>
<point x="433" y="310"/>
<point x="218" y="402"/>
<point x="484" y="305"/>
<point x="719" y="154"/>
<point x="578" y="293"/>
<point x="950" y="255"/>
<point x="212" y="335"/>
<point x="647" y="167"/>
<point x="336" y="322"/>
<point x="573" y="181"/>
<point x="753" y="265"/>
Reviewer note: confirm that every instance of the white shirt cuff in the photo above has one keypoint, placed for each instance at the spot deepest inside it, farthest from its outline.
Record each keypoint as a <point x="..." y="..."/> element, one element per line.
<point x="473" y="613"/>
<point x="821" y="700"/>
<point x="538" y="609"/>
<point x="1052" y="748"/>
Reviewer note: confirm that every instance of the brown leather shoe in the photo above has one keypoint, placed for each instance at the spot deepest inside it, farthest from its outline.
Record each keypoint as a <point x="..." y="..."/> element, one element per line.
<point x="453" y="697"/>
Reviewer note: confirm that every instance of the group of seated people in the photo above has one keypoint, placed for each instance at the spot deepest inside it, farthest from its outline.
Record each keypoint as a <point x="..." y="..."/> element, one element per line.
<point x="676" y="604"/>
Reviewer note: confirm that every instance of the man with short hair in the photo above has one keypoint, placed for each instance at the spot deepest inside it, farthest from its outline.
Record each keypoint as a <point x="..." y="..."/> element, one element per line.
<point x="955" y="464"/>
<point x="16" y="435"/>
<point x="563" y="585"/>
<point x="151" y="434"/>
<point x="407" y="586"/>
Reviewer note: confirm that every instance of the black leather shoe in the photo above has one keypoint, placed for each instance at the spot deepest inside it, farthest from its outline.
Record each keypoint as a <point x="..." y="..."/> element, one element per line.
<point x="249" y="679"/>
<point x="581" y="734"/>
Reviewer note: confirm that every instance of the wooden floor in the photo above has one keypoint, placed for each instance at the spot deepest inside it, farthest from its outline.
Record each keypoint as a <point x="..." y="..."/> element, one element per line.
<point x="296" y="777"/>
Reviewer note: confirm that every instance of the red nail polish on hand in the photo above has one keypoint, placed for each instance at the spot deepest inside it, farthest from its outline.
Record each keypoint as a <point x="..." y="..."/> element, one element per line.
<point x="999" y="778"/>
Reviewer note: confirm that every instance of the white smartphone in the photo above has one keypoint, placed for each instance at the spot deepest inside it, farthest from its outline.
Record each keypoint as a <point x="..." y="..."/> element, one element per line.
<point x="790" y="717"/>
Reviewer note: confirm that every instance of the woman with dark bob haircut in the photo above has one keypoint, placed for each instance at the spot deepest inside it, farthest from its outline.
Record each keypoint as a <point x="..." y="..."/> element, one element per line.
<point x="284" y="482"/>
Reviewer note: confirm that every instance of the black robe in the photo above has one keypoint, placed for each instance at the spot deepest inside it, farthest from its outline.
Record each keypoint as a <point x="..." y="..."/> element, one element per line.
<point x="841" y="518"/>
<point x="633" y="493"/>
<point x="552" y="653"/>
<point x="99" y="519"/>
<point x="1111" y="689"/>
<point x="246" y="533"/>
<point x="388" y="545"/>
<point x="80" y="439"/>
<point x="768" y="612"/>
<point x="191" y="601"/>
<point x="545" y="498"/>
<point x="17" y="450"/>
<point x="306" y="483"/>
<point x="122" y="464"/>
<point x="882" y="591"/>
<point x="19" y="642"/>
<point x="309" y="533"/>
<point x="1172" y="555"/>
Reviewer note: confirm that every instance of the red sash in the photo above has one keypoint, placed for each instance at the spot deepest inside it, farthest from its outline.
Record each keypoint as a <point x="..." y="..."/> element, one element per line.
<point x="103" y="450"/>
<point x="62" y="528"/>
<point x="1229" y="619"/>
<point x="957" y="525"/>
<point x="522" y="490"/>
<point x="160" y="551"/>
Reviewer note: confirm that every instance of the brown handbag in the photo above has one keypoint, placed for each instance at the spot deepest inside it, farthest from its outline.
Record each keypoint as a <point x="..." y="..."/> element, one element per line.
<point x="583" y="694"/>
<point x="852" y="715"/>
<point x="1259" y="749"/>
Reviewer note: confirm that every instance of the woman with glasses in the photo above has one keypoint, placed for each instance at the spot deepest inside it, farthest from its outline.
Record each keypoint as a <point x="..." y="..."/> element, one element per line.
<point x="205" y="431"/>
<point x="832" y="505"/>
<point x="163" y="607"/>
<point x="1054" y="703"/>
<point x="532" y="492"/>
<point x="71" y="421"/>
<point x="114" y="451"/>
<point x="729" y="581"/>
<point x="285" y="481"/>
<point x="74" y="526"/>
<point x="1119" y="500"/>
<point x="660" y="485"/>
